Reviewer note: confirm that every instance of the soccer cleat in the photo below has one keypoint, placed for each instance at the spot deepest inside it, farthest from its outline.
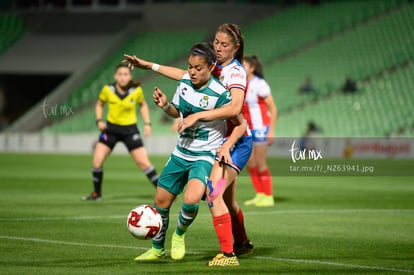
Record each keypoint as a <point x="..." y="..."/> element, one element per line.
<point x="177" y="246"/>
<point x="222" y="260"/>
<point x="245" y="248"/>
<point x="92" y="197"/>
<point x="151" y="255"/>
<point x="254" y="200"/>
<point x="265" y="201"/>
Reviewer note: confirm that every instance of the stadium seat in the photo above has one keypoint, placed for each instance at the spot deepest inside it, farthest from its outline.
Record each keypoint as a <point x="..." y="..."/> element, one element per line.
<point x="148" y="45"/>
<point x="11" y="29"/>
<point x="361" y="39"/>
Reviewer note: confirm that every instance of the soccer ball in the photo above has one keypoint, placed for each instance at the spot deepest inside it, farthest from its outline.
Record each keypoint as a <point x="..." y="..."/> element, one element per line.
<point x="144" y="222"/>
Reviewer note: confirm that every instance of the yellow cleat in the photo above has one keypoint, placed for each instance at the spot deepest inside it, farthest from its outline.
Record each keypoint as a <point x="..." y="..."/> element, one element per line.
<point x="265" y="201"/>
<point x="222" y="260"/>
<point x="254" y="200"/>
<point x="151" y="255"/>
<point x="177" y="246"/>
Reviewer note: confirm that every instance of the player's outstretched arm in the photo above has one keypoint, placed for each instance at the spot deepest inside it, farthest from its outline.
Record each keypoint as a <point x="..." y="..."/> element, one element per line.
<point x="167" y="71"/>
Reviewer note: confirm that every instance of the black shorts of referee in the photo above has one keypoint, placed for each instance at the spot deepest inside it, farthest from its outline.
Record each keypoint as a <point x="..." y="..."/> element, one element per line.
<point x="128" y="134"/>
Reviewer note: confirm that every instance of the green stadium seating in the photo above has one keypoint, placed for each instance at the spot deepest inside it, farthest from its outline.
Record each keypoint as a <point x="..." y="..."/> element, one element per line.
<point x="381" y="108"/>
<point x="371" y="41"/>
<point x="148" y="45"/>
<point x="296" y="27"/>
<point x="361" y="53"/>
<point x="151" y="46"/>
<point x="11" y="29"/>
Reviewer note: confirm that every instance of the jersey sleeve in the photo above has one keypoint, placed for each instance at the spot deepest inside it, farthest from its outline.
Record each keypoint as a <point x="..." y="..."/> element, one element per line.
<point x="176" y="97"/>
<point x="139" y="95"/>
<point x="237" y="78"/>
<point x="224" y="99"/>
<point x="103" y="95"/>
<point x="264" y="89"/>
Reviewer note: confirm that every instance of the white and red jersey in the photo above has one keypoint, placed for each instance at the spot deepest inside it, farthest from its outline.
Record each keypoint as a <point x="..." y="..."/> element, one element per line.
<point x="256" y="111"/>
<point x="231" y="76"/>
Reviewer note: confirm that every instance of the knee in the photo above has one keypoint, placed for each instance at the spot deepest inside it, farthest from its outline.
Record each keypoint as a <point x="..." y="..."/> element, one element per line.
<point x="192" y="198"/>
<point x="160" y="203"/>
<point x="97" y="162"/>
<point x="233" y="207"/>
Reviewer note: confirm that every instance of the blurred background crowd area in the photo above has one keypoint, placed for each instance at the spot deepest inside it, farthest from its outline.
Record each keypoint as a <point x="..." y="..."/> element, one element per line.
<point x="344" y="67"/>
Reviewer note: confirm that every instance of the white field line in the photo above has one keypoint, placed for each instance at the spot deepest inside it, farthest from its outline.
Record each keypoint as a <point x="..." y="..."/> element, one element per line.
<point x="246" y="213"/>
<point x="379" y="268"/>
<point x="318" y="262"/>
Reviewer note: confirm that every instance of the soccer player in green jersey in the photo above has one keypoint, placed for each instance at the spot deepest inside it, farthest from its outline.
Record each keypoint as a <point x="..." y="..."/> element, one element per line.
<point x="190" y="163"/>
<point x="229" y="48"/>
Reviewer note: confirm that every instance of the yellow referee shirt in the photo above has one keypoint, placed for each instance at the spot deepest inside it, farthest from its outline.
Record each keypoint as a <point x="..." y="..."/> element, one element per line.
<point x="122" y="111"/>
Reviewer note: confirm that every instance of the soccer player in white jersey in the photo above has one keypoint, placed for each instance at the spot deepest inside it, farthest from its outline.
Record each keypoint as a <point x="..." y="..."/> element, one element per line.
<point x="227" y="215"/>
<point x="191" y="161"/>
<point x="261" y="115"/>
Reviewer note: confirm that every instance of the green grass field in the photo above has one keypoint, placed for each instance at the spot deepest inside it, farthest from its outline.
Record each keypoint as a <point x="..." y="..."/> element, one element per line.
<point x="319" y="225"/>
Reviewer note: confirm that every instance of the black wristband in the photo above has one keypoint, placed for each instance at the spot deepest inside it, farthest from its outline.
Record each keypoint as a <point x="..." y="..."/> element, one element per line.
<point x="147" y="123"/>
<point x="97" y="121"/>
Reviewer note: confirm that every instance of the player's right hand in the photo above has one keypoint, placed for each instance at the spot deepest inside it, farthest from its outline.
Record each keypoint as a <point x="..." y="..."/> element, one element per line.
<point x="159" y="97"/>
<point x="102" y="126"/>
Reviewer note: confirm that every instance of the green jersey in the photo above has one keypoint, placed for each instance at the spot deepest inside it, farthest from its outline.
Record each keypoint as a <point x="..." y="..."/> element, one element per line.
<point x="202" y="139"/>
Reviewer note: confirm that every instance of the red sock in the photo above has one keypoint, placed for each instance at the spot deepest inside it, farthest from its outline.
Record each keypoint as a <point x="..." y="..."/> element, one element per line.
<point x="266" y="182"/>
<point x="222" y="226"/>
<point x="254" y="176"/>
<point x="239" y="232"/>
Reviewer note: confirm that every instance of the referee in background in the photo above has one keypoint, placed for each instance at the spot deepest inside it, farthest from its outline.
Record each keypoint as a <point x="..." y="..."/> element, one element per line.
<point x="122" y="98"/>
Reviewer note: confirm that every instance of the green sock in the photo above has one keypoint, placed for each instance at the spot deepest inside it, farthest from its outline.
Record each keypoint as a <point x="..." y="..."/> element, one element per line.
<point x="186" y="217"/>
<point x="159" y="240"/>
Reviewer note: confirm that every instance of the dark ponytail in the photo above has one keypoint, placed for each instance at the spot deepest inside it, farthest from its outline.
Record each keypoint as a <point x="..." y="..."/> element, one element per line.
<point x="254" y="61"/>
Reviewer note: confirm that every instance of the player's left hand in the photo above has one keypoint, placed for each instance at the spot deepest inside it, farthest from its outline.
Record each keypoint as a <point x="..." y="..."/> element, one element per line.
<point x="223" y="154"/>
<point x="147" y="130"/>
<point x="187" y="122"/>
<point x="270" y="139"/>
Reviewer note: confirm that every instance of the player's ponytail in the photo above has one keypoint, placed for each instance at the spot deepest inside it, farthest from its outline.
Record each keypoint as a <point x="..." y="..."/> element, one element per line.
<point x="134" y="84"/>
<point x="254" y="61"/>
